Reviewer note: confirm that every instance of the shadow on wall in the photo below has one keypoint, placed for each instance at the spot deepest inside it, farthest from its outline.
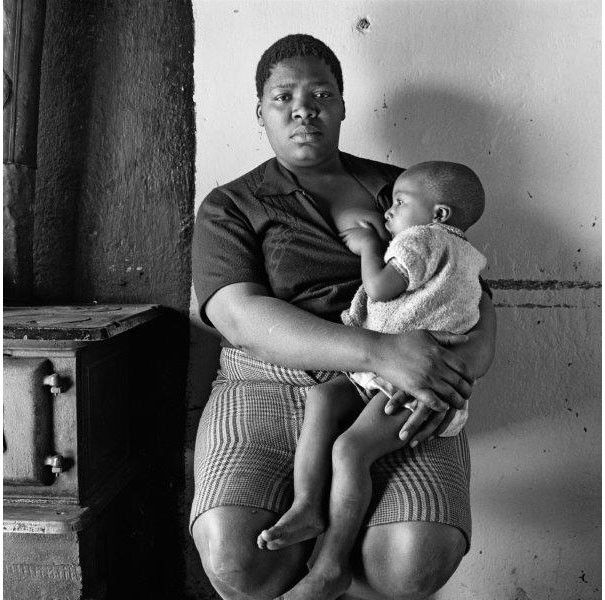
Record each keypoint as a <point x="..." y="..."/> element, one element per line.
<point x="203" y="364"/>
<point x="521" y="501"/>
<point x="489" y="138"/>
<point x="471" y="132"/>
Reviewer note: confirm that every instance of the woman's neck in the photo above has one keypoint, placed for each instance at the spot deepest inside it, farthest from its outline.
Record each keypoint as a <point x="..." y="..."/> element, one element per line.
<point x="325" y="169"/>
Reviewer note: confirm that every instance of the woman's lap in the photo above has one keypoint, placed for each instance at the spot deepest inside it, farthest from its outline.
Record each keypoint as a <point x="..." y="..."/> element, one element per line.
<point x="243" y="466"/>
<point x="247" y="434"/>
<point x="247" y="438"/>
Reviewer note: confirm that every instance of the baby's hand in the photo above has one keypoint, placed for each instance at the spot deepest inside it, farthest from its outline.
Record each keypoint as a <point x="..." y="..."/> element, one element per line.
<point x="359" y="238"/>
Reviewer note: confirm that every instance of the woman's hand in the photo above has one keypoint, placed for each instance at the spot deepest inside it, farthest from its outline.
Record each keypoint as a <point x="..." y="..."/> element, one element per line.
<point x="441" y="394"/>
<point x="421" y="423"/>
<point x="418" y="364"/>
<point x="474" y="354"/>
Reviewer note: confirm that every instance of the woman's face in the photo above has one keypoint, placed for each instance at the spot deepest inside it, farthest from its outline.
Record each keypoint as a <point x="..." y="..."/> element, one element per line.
<point x="301" y="111"/>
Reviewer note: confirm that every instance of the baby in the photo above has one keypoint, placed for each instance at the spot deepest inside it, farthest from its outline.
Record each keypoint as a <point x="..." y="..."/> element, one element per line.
<point x="428" y="279"/>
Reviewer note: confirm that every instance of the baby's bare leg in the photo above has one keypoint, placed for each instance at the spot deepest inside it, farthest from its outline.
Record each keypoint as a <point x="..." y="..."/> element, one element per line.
<point x="329" y="409"/>
<point x="373" y="435"/>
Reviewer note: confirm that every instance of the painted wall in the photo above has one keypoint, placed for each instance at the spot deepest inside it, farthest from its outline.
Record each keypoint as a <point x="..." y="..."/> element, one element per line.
<point x="511" y="88"/>
<point x="114" y="212"/>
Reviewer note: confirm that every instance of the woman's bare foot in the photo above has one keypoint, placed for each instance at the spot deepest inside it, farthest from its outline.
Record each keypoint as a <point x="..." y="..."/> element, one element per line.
<point x="301" y="522"/>
<point x="320" y="584"/>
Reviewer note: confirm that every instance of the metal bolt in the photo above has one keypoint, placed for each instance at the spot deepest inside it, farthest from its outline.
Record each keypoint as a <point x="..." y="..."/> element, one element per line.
<point x="55" y="462"/>
<point x="52" y="380"/>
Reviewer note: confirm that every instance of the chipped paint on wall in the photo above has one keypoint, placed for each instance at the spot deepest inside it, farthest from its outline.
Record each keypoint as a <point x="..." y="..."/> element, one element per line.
<point x="538" y="284"/>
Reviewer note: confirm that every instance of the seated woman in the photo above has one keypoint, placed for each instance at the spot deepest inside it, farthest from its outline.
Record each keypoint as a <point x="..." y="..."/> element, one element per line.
<point x="272" y="275"/>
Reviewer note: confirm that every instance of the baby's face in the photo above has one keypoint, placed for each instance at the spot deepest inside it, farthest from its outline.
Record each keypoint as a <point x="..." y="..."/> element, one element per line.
<point x="412" y="205"/>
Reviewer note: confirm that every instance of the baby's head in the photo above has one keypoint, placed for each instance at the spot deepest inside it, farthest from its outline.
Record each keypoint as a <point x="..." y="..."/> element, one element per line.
<point x="435" y="192"/>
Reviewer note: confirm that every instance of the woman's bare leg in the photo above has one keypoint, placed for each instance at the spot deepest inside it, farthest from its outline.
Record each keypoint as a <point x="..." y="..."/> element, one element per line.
<point x="238" y="570"/>
<point x="406" y="561"/>
<point x="329" y="408"/>
<point x="371" y="436"/>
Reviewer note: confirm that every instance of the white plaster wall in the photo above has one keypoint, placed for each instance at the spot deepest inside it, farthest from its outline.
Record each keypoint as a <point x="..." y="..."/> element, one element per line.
<point x="513" y="89"/>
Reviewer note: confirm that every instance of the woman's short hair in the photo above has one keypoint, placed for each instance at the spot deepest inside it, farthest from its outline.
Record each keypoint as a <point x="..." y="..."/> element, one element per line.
<point x="292" y="46"/>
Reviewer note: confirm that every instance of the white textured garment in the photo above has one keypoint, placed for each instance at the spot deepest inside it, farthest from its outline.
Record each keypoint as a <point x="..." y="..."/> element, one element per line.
<point x="443" y="293"/>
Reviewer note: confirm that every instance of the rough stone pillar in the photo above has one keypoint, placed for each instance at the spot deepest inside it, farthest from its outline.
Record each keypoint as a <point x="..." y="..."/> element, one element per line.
<point x="23" y="37"/>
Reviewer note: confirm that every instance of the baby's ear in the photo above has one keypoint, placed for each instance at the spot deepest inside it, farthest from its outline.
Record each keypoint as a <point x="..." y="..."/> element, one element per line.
<point x="441" y="213"/>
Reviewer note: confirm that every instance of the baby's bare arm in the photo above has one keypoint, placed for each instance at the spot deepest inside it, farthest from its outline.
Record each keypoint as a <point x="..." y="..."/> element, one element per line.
<point x="381" y="282"/>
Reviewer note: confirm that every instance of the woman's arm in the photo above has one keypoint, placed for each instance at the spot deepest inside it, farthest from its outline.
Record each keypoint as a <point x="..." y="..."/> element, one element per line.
<point x="277" y="332"/>
<point x="280" y="333"/>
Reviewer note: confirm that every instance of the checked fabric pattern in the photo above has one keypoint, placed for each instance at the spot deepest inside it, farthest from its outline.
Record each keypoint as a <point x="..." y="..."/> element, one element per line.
<point x="246" y="439"/>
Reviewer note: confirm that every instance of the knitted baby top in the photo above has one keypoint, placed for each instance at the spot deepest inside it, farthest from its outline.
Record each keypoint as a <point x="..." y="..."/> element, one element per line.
<point x="444" y="289"/>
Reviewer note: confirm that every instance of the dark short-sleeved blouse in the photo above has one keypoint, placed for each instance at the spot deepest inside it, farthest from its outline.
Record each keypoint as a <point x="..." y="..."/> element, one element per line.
<point x="264" y="228"/>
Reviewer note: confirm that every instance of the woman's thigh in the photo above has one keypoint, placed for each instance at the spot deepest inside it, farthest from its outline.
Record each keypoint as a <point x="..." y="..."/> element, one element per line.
<point x="225" y="538"/>
<point x="405" y="561"/>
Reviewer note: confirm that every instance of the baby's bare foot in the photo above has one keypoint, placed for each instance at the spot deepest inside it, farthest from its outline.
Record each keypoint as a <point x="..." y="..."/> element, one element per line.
<point x="320" y="584"/>
<point x="301" y="522"/>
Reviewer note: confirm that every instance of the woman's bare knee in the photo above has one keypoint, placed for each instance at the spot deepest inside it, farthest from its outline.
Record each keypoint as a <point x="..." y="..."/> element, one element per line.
<point x="408" y="561"/>
<point x="229" y="565"/>
<point x="226" y="541"/>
